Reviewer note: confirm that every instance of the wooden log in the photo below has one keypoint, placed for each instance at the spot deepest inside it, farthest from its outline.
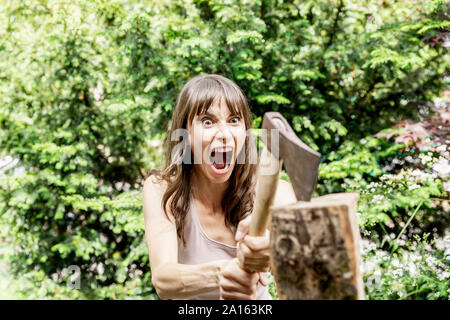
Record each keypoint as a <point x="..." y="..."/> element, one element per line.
<point x="315" y="249"/>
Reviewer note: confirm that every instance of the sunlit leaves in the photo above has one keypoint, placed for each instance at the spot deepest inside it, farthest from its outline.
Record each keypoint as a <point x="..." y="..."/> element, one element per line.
<point x="267" y="98"/>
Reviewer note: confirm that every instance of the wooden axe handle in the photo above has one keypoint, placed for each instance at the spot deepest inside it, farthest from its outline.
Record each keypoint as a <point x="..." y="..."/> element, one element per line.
<point x="268" y="176"/>
<point x="265" y="193"/>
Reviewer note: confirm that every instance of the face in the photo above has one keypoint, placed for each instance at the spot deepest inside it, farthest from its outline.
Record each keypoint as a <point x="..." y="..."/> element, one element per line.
<point x="216" y="137"/>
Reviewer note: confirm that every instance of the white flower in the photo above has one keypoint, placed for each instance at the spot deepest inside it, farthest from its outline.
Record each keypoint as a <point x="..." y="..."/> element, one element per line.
<point x="414" y="257"/>
<point x="396" y="263"/>
<point x="426" y="159"/>
<point x="439" y="102"/>
<point x="377" y="198"/>
<point x="372" y="185"/>
<point x="409" y="159"/>
<point x="447" y="186"/>
<point x="397" y="272"/>
<point x="412" y="269"/>
<point x="442" y="168"/>
<point x="430" y="261"/>
<point x="443" y="243"/>
<point x="444" y="275"/>
<point x="414" y="186"/>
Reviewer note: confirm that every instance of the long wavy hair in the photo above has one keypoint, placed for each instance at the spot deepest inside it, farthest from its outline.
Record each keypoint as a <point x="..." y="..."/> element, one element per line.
<point x="195" y="98"/>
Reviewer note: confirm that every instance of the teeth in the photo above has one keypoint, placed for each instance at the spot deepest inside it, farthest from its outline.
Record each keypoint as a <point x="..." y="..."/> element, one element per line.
<point x="223" y="149"/>
<point x="221" y="155"/>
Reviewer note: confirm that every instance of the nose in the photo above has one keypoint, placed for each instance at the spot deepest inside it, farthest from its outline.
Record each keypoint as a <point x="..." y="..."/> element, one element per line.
<point x="224" y="133"/>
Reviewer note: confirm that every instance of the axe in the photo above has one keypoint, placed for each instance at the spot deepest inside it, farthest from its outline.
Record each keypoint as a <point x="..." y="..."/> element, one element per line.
<point x="281" y="146"/>
<point x="314" y="243"/>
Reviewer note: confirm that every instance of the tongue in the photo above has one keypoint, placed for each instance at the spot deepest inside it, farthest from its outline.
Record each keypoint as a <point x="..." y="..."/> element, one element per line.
<point x="219" y="166"/>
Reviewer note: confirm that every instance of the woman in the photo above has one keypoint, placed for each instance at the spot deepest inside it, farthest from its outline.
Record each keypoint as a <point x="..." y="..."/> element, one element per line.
<point x="198" y="207"/>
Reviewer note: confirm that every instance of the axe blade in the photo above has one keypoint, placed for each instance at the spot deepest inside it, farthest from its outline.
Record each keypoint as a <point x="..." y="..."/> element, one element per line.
<point x="300" y="161"/>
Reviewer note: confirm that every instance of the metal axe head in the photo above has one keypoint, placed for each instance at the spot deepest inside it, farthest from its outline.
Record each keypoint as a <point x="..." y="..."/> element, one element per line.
<point x="300" y="161"/>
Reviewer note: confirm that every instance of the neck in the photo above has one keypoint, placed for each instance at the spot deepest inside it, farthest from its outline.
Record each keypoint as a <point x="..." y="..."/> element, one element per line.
<point x="208" y="193"/>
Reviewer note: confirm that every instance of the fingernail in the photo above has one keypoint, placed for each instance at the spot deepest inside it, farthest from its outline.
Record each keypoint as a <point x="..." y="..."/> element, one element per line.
<point x="238" y="235"/>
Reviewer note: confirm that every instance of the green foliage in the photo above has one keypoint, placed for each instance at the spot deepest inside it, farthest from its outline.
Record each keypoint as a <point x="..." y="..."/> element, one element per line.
<point x="392" y="181"/>
<point x="329" y="68"/>
<point x="82" y="142"/>
<point x="403" y="195"/>
<point x="87" y="90"/>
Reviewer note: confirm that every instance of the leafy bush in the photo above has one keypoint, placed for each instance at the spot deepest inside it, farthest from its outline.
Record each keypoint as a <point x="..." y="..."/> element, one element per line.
<point x="404" y="195"/>
<point x="394" y="180"/>
<point x="87" y="91"/>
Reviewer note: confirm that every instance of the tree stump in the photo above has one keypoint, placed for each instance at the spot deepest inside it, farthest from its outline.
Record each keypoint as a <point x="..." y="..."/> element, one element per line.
<point x="315" y="249"/>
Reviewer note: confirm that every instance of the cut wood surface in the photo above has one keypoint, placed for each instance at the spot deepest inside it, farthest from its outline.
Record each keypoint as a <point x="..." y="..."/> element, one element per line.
<point x="315" y="248"/>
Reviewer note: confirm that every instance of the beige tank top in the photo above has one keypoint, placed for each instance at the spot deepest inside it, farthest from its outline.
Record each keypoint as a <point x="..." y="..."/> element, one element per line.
<point x="202" y="249"/>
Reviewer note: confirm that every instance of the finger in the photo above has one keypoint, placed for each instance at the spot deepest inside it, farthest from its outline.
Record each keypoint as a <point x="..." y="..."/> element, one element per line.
<point x="240" y="256"/>
<point x="232" y="286"/>
<point x="259" y="267"/>
<point x="257" y="243"/>
<point x="242" y="228"/>
<point x="263" y="278"/>
<point x="245" y="254"/>
<point x="236" y="296"/>
<point x="245" y="259"/>
<point x="243" y="277"/>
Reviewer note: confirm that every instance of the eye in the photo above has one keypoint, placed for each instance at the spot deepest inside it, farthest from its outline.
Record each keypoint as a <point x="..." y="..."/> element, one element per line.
<point x="207" y="122"/>
<point x="235" y="120"/>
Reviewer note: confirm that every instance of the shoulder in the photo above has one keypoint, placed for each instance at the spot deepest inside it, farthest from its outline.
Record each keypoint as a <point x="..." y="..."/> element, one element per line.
<point x="285" y="193"/>
<point x="284" y="185"/>
<point x="152" y="194"/>
<point x="154" y="185"/>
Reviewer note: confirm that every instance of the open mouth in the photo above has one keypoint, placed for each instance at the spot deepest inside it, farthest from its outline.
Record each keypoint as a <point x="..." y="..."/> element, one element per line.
<point x="220" y="159"/>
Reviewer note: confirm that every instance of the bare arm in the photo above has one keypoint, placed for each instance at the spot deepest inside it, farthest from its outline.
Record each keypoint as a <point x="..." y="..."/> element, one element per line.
<point x="284" y="195"/>
<point x="171" y="279"/>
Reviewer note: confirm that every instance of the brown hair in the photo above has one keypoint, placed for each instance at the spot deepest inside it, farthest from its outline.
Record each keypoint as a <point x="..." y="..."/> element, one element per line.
<point x="195" y="98"/>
